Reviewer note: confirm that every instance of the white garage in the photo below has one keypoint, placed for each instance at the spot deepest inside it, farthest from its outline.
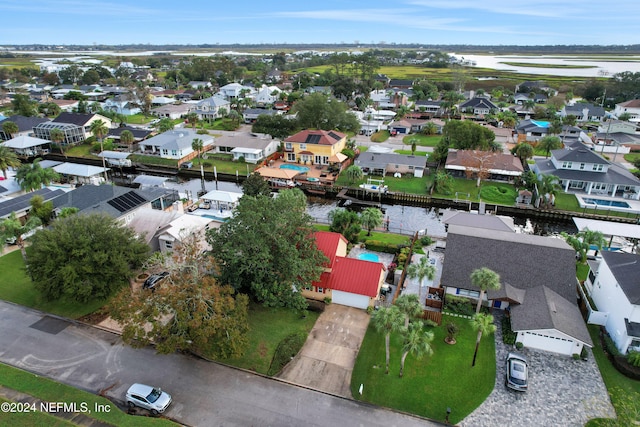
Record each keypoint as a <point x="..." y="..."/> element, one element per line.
<point x="550" y="340"/>
<point x="350" y="299"/>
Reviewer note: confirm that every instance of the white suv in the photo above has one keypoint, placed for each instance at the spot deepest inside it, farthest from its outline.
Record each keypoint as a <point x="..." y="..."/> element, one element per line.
<point x="147" y="397"/>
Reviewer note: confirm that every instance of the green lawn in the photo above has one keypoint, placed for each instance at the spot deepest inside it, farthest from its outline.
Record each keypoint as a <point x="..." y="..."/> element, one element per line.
<point x="380" y="136"/>
<point x="632" y="157"/>
<point x="501" y="193"/>
<point x="432" y="384"/>
<point x="51" y="391"/>
<point x="31" y="419"/>
<point x="82" y="150"/>
<point x="139" y="119"/>
<point x="618" y="385"/>
<point x="267" y="327"/>
<point x="422" y="140"/>
<point x="15" y="286"/>
<point x="409" y="153"/>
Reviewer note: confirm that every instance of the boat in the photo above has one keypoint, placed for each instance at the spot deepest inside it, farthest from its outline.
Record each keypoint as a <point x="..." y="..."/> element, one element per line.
<point x="374" y="186"/>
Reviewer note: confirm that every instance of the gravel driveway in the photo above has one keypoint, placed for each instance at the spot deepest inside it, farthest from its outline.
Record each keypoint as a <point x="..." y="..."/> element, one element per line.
<point x="562" y="392"/>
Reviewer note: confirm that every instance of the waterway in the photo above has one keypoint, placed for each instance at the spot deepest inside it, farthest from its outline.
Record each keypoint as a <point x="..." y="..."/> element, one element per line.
<point x="402" y="219"/>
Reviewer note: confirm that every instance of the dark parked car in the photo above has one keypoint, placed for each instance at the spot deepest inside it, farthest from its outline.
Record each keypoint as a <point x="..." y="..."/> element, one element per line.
<point x="517" y="374"/>
<point x="154" y="279"/>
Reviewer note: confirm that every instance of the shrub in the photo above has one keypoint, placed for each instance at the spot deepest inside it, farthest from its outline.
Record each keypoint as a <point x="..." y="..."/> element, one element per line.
<point x="459" y="305"/>
<point x="370" y="309"/>
<point x="426" y="241"/>
<point x="575" y="356"/>
<point x="286" y="350"/>
<point x="403" y="255"/>
<point x="327" y="300"/>
<point x="609" y="345"/>
<point x="378" y="246"/>
<point x="207" y="164"/>
<point x="634" y="358"/>
<point x="519" y="345"/>
<point x="508" y="336"/>
<point x="584" y="353"/>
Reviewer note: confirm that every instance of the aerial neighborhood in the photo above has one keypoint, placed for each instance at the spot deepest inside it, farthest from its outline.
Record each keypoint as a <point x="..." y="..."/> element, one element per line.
<point x="460" y="250"/>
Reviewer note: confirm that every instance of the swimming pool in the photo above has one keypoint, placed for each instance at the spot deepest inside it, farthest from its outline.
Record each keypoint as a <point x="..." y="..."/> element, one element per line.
<point x="294" y="167"/>
<point x="609" y="203"/>
<point x="368" y="256"/>
<point x="541" y="123"/>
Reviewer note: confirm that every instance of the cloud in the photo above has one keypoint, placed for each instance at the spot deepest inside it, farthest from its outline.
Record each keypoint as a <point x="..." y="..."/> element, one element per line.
<point x="74" y="7"/>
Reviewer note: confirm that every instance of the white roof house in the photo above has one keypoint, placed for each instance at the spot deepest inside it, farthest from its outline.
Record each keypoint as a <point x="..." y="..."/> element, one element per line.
<point x="176" y="144"/>
<point x="79" y="173"/>
<point x="183" y="227"/>
<point x="27" y="145"/>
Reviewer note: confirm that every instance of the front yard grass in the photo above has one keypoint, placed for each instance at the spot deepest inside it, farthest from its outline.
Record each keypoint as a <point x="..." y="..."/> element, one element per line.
<point x="51" y="391"/>
<point x="422" y="140"/>
<point x="620" y="387"/>
<point x="15" y="286"/>
<point x="380" y="136"/>
<point x="632" y="157"/>
<point x="432" y="384"/>
<point x="267" y="327"/>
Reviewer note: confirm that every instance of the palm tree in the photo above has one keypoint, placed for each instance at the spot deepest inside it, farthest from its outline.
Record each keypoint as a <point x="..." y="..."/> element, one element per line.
<point x="483" y="323"/>
<point x="32" y="176"/>
<point x="371" y="218"/>
<point x="354" y="173"/>
<point x="548" y="143"/>
<point x="57" y="136"/>
<point x="416" y="341"/>
<point x="409" y="306"/>
<point x="548" y="187"/>
<point x="10" y="128"/>
<point x="198" y="145"/>
<point x="524" y="151"/>
<point x="99" y="129"/>
<point x="387" y="320"/>
<point x="126" y="137"/>
<point x="13" y="228"/>
<point x="421" y="270"/>
<point x="430" y="129"/>
<point x="584" y="240"/>
<point x="192" y="119"/>
<point x="485" y="279"/>
<point x="555" y="127"/>
<point x="8" y="159"/>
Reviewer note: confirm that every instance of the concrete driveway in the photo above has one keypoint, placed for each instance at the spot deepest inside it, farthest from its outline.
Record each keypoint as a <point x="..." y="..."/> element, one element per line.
<point x="326" y="360"/>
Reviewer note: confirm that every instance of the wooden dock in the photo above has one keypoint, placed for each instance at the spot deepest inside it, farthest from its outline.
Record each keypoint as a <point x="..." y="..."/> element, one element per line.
<point x="342" y="195"/>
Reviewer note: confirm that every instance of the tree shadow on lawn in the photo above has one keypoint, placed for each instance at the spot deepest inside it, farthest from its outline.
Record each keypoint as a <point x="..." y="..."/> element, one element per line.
<point x="432" y="384"/>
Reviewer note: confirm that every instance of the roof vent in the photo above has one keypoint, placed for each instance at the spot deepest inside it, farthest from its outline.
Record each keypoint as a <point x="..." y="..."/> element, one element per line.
<point x="552" y="306"/>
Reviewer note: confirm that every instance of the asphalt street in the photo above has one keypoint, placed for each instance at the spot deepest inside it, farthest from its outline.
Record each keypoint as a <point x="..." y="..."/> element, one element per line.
<point x="204" y="393"/>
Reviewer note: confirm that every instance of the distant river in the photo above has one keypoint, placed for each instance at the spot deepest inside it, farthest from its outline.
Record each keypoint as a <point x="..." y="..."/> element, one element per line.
<point x="605" y="67"/>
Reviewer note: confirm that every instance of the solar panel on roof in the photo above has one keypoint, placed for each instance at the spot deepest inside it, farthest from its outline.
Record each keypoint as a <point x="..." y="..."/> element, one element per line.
<point x="334" y="136"/>
<point x="127" y="201"/>
<point x="312" y="139"/>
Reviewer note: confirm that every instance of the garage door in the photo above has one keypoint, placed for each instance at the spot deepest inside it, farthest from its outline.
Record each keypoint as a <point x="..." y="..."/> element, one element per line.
<point x="548" y="343"/>
<point x="349" y="299"/>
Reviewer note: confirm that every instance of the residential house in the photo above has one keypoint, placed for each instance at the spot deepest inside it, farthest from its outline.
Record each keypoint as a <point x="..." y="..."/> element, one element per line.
<point x="157" y="101"/>
<point x="184" y="227"/>
<point x="320" y="147"/>
<point x="613" y="283"/>
<point x="632" y="108"/>
<point x="581" y="170"/>
<point x="267" y="95"/>
<point x="402" y="127"/>
<point x="21" y="204"/>
<point x="176" y="144"/>
<point x="252" y="147"/>
<point x="138" y="133"/>
<point x="80" y="174"/>
<point x="535" y="86"/>
<point x="195" y="84"/>
<point x="120" y="203"/>
<point x="28" y="146"/>
<point x="67" y="105"/>
<point x="250" y="115"/>
<point x="122" y="104"/>
<point x="25" y="126"/>
<point x="233" y="91"/>
<point x="533" y="130"/>
<point x="429" y="107"/>
<point x="384" y="163"/>
<point x="538" y="283"/>
<point x="210" y="108"/>
<point x="474" y="220"/>
<point x="479" y="106"/>
<point x="75" y="126"/>
<point x="346" y="281"/>
<point x="400" y="83"/>
<point x="584" y="112"/>
<point x="491" y="165"/>
<point x="274" y="76"/>
<point x="173" y="111"/>
<point x="521" y="98"/>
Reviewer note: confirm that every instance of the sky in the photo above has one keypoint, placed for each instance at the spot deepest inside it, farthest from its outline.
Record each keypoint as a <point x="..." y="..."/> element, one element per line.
<point x="471" y="22"/>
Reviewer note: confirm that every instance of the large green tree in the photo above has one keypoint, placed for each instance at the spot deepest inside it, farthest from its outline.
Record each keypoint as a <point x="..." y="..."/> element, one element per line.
<point x="84" y="257"/>
<point x="485" y="279"/>
<point x="467" y="135"/>
<point x="32" y="176"/>
<point x="127" y="138"/>
<point x="387" y="320"/>
<point x="267" y="250"/>
<point x="549" y="143"/>
<point x="24" y="106"/>
<point x="346" y="222"/>
<point x="321" y="111"/>
<point x="483" y="324"/>
<point x="255" y="185"/>
<point x="8" y="159"/>
<point x="13" y="227"/>
<point x="10" y="128"/>
<point x="189" y="311"/>
<point x="276" y="125"/>
<point x="41" y="209"/>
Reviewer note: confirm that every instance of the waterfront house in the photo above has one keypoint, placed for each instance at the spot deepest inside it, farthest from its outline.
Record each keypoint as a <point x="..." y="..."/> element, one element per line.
<point x="211" y="108"/>
<point x="25" y="126"/>
<point x="251" y="146"/>
<point x="490" y="165"/>
<point x="176" y="144"/>
<point x="538" y="283"/>
<point x="319" y="147"/>
<point x="631" y="107"/>
<point x="76" y="127"/>
<point x="391" y="163"/>
<point x="347" y="281"/>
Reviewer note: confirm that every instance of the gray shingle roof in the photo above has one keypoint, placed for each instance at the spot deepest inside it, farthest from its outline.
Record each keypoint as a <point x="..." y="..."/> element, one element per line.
<point x="524" y="261"/>
<point x="543" y="309"/>
<point x="626" y="269"/>
<point x="381" y="160"/>
<point x="73" y="118"/>
<point x="23" y="202"/>
<point x="24" y="123"/>
<point x="491" y="222"/>
<point x="581" y="154"/>
<point x="616" y="174"/>
<point x="478" y="103"/>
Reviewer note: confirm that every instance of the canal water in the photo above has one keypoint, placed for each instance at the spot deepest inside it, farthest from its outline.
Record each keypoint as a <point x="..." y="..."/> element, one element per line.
<point x="401" y="219"/>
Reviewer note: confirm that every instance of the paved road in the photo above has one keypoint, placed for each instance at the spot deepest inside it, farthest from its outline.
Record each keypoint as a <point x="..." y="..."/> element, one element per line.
<point x="204" y="393"/>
